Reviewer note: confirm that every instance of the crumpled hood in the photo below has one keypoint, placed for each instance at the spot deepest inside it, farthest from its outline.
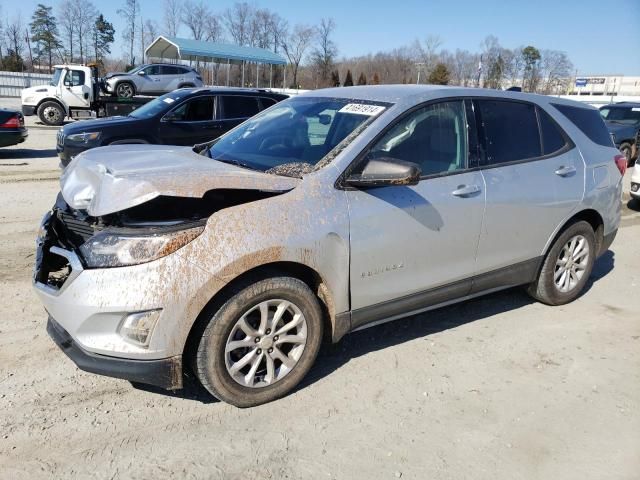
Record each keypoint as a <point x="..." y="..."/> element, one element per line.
<point x="110" y="179"/>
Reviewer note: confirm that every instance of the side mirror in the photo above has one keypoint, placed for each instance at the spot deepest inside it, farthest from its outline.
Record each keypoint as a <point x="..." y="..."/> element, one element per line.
<point x="386" y="171"/>
<point x="141" y="73"/>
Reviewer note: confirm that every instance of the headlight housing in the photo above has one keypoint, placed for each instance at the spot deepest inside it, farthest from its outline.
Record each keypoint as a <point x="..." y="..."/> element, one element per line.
<point x="86" y="137"/>
<point x="109" y="249"/>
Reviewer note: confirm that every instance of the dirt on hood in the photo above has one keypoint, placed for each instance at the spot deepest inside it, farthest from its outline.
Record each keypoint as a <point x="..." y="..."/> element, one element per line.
<point x="110" y="179"/>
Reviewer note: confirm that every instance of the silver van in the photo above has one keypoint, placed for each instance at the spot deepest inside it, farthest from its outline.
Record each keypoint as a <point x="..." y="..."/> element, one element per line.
<point x="329" y="212"/>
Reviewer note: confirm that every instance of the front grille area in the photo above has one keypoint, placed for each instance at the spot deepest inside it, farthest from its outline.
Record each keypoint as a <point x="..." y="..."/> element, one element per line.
<point x="66" y="231"/>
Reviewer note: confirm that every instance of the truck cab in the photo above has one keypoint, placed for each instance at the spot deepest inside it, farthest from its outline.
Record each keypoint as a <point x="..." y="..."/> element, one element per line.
<point x="71" y="89"/>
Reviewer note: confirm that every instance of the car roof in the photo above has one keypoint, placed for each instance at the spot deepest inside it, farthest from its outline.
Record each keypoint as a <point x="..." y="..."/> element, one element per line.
<point x="235" y="91"/>
<point x="415" y="94"/>
<point x="622" y="105"/>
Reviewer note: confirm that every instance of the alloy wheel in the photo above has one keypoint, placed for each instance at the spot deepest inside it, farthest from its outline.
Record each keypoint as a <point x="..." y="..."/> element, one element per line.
<point x="571" y="264"/>
<point x="266" y="343"/>
<point x="125" y="90"/>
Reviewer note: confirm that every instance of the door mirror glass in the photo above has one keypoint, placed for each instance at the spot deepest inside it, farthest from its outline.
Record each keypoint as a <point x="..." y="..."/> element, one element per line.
<point x="141" y="73"/>
<point x="324" y="119"/>
<point x="385" y="171"/>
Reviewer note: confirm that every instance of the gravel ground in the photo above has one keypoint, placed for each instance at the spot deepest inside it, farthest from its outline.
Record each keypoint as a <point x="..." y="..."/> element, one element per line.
<point x="497" y="387"/>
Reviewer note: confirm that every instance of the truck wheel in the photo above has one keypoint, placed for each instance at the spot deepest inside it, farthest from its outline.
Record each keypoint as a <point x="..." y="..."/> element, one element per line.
<point x="125" y="90"/>
<point x="260" y="344"/>
<point x="625" y="149"/>
<point x="51" y="113"/>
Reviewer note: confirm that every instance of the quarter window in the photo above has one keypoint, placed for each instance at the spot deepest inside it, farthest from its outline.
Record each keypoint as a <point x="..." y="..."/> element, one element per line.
<point x="434" y="137"/>
<point x="589" y="122"/>
<point x="239" y="106"/>
<point x="509" y="130"/>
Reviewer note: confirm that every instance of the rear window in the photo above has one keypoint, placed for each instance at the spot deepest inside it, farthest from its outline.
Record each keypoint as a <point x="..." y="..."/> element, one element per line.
<point x="510" y="131"/>
<point x="589" y="122"/>
<point x="553" y="139"/>
<point x="239" y="106"/>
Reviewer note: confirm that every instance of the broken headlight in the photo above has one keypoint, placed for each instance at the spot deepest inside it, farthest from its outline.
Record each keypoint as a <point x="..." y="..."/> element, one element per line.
<point x="117" y="250"/>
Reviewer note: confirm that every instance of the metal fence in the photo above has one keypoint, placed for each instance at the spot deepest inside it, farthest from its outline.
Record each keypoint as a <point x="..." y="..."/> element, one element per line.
<point x="12" y="83"/>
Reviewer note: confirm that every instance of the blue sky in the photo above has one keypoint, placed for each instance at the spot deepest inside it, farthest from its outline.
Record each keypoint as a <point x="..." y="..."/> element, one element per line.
<point x="600" y="36"/>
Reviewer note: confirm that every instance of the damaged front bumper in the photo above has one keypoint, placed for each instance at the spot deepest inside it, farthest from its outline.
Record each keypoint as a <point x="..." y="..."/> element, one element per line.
<point x="88" y="308"/>
<point x="165" y="373"/>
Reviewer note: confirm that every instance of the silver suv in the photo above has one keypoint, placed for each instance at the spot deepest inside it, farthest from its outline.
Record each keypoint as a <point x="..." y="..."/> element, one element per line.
<point x="154" y="79"/>
<point x="326" y="213"/>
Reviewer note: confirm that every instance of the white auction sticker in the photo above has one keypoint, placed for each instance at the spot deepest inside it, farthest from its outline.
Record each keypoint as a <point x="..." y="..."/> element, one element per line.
<point x="168" y="100"/>
<point x="361" y="109"/>
<point x="635" y="109"/>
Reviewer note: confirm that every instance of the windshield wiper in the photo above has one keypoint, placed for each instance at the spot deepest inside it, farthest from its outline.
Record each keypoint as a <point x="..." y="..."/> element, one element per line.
<point x="236" y="163"/>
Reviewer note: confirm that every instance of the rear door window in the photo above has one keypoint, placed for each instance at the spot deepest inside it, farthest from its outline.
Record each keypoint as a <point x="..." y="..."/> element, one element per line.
<point x="509" y="131"/>
<point x="589" y="122"/>
<point x="169" y="70"/>
<point x="553" y="139"/>
<point x="238" y="106"/>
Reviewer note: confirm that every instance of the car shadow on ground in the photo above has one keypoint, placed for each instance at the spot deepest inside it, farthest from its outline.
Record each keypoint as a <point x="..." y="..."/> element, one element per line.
<point x="387" y="335"/>
<point x="19" y="153"/>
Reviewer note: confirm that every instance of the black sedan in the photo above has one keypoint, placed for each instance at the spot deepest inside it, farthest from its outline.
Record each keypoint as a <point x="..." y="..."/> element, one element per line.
<point x="183" y="117"/>
<point x="12" y="129"/>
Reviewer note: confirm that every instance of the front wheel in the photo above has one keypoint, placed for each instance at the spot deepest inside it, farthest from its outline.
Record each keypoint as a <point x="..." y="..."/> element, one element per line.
<point x="260" y="344"/>
<point x="125" y="90"/>
<point x="567" y="266"/>
<point x="51" y="113"/>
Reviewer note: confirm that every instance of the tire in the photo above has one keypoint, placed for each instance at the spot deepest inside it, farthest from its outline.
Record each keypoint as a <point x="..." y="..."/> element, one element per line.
<point x="552" y="286"/>
<point x="125" y="90"/>
<point x="220" y="364"/>
<point x="625" y="149"/>
<point x="51" y="113"/>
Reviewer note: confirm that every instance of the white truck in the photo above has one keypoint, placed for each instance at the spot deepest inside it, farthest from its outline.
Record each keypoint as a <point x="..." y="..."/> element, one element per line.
<point x="76" y="92"/>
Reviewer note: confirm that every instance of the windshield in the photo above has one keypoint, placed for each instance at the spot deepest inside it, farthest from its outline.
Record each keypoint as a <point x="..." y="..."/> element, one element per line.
<point x="295" y="132"/>
<point x="135" y="69"/>
<point x="56" y="77"/>
<point x="621" y="115"/>
<point x="158" y="105"/>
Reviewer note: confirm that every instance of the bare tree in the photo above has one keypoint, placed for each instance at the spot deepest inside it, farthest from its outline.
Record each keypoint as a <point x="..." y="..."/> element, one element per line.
<point x="84" y="16"/>
<point x="15" y="36"/>
<point x="555" y="68"/>
<point x="66" y="20"/>
<point x="130" y="14"/>
<point x="172" y="17"/>
<point x="238" y="20"/>
<point x="295" y="47"/>
<point x="196" y="17"/>
<point x="323" y="56"/>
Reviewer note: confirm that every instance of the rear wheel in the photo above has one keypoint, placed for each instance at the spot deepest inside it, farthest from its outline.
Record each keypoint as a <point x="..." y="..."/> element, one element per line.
<point x="125" y="90"/>
<point x="51" y="113"/>
<point x="260" y="344"/>
<point x="567" y="266"/>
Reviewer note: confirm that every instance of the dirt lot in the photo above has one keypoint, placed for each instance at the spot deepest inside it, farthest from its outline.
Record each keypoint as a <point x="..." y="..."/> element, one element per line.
<point x="498" y="387"/>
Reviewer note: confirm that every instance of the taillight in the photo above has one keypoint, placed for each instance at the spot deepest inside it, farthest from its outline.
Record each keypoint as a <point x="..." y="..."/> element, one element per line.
<point x="621" y="163"/>
<point x="13" y="122"/>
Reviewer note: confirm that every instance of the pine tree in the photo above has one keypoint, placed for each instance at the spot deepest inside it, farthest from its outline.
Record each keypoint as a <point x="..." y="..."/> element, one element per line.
<point x="362" y="80"/>
<point x="44" y="32"/>
<point x="335" y="78"/>
<point x="103" y="37"/>
<point x="439" y="75"/>
<point x="348" y="80"/>
<point x="376" y="79"/>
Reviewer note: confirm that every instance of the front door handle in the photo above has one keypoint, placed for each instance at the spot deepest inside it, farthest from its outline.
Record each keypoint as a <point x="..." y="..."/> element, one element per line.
<point x="466" y="190"/>
<point x="565" y="171"/>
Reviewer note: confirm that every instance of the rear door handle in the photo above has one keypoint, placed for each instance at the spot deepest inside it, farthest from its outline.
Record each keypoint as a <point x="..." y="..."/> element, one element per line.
<point x="565" y="171"/>
<point x="466" y="190"/>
